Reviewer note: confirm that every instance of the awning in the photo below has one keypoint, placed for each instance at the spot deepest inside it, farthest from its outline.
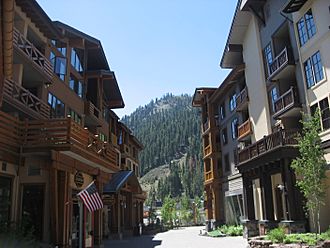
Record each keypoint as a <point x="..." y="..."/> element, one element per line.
<point x="119" y="179"/>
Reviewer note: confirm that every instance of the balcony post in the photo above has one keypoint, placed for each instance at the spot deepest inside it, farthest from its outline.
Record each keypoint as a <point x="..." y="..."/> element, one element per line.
<point x="248" y="198"/>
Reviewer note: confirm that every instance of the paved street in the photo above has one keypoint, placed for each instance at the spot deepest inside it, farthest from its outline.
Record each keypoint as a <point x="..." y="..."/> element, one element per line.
<point x="184" y="237"/>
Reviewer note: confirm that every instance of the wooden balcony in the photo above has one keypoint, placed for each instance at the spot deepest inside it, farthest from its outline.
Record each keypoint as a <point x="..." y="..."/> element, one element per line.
<point x="207" y="151"/>
<point x="242" y="100"/>
<point x="208" y="175"/>
<point x="30" y="52"/>
<point x="92" y="114"/>
<point x="282" y="65"/>
<point x="206" y="125"/>
<point x="287" y="105"/>
<point x="10" y="137"/>
<point x="279" y="139"/>
<point x="244" y="130"/>
<point x="25" y="101"/>
<point x="66" y="135"/>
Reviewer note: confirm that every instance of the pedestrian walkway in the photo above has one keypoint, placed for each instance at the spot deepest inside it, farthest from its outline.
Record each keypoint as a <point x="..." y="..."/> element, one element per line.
<point x="185" y="237"/>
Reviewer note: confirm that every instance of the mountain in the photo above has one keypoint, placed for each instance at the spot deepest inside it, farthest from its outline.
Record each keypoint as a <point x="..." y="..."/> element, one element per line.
<point x="169" y="129"/>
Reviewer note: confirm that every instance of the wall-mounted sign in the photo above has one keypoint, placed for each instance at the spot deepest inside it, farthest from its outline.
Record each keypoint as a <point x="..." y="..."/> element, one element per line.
<point x="78" y="179"/>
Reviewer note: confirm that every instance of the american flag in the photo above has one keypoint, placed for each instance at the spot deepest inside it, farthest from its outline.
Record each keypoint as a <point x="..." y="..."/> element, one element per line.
<point x="91" y="197"/>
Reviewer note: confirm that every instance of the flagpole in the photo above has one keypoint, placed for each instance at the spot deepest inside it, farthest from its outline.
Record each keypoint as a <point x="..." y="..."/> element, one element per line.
<point x="81" y="215"/>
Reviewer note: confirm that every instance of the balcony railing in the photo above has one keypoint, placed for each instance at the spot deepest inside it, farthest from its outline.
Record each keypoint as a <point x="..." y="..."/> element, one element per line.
<point x="25" y="100"/>
<point x="207" y="150"/>
<point x="242" y="100"/>
<point x="65" y="134"/>
<point x="91" y="111"/>
<point x="278" y="63"/>
<point x="208" y="175"/>
<point x="244" y="129"/>
<point x="275" y="140"/>
<point x="206" y="125"/>
<point x="285" y="102"/>
<point x="33" y="54"/>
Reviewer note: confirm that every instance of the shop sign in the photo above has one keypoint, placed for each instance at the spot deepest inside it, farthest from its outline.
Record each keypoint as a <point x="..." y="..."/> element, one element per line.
<point x="78" y="179"/>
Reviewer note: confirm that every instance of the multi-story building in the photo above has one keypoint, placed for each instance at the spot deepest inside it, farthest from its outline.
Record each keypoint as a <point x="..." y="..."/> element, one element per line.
<point x="282" y="60"/>
<point x="225" y="122"/>
<point x="57" y="131"/>
<point x="311" y="20"/>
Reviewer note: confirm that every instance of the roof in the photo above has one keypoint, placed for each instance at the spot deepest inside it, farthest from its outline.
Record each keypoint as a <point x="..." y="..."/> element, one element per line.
<point x="119" y="179"/>
<point x="293" y="6"/>
<point x="39" y="18"/>
<point x="199" y="93"/>
<point x="232" y="54"/>
<point x="229" y="81"/>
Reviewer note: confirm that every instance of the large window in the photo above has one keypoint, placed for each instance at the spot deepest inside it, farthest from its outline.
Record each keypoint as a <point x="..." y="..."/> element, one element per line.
<point x="323" y="105"/>
<point x="56" y="105"/>
<point x="313" y="69"/>
<point x="306" y="27"/>
<point x="76" y="59"/>
<point x="232" y="102"/>
<point x="59" y="65"/>
<point x="234" y="128"/>
<point x="5" y="200"/>
<point x="76" y="85"/>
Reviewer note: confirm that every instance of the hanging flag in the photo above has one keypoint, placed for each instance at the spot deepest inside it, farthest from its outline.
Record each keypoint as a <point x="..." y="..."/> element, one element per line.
<point x="91" y="197"/>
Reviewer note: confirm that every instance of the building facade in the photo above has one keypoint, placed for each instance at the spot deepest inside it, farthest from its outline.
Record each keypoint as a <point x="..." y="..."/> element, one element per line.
<point x="58" y="132"/>
<point x="283" y="50"/>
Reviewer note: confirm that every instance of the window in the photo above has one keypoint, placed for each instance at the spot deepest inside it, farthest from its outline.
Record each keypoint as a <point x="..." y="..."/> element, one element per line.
<point x="323" y="105"/>
<point x="224" y="136"/>
<point x="57" y="108"/>
<point x="75" y="116"/>
<point x="232" y="102"/>
<point x="306" y="27"/>
<point x="76" y="58"/>
<point x="59" y="65"/>
<point x="76" y="85"/>
<point x="313" y="69"/>
<point x="5" y="200"/>
<point x="268" y="54"/>
<point x="234" y="128"/>
<point x="60" y="46"/>
<point x="227" y="163"/>
<point x="222" y="111"/>
<point x="273" y="97"/>
<point x="103" y="137"/>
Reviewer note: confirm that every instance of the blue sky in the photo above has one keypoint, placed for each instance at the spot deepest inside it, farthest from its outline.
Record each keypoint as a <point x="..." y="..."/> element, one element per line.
<point x="154" y="46"/>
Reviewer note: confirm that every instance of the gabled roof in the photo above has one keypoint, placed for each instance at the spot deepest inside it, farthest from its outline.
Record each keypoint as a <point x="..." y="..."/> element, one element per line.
<point x="119" y="179"/>
<point x="39" y="17"/>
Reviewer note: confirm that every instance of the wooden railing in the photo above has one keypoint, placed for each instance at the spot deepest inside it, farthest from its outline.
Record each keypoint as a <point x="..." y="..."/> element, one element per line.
<point x="25" y="98"/>
<point x="10" y="133"/>
<point x="91" y="110"/>
<point x="208" y="175"/>
<point x="241" y="98"/>
<point x="285" y="102"/>
<point x="32" y="53"/>
<point x="244" y="129"/>
<point x="64" y="133"/>
<point x="207" y="150"/>
<point x="278" y="63"/>
<point x="206" y="125"/>
<point x="268" y="143"/>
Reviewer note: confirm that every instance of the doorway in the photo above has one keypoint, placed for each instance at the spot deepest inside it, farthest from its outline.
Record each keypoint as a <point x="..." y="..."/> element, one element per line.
<point x="33" y="209"/>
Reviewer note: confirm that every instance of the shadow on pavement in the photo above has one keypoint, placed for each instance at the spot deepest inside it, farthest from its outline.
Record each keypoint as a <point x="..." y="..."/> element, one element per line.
<point x="144" y="241"/>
